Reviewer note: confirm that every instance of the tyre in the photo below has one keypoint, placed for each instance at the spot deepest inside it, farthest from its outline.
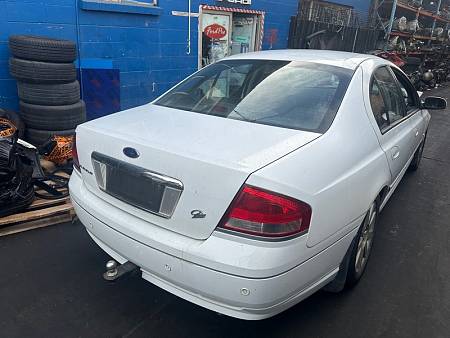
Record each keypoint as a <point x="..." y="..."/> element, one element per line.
<point x="414" y="165"/>
<point x="49" y="94"/>
<point x="42" y="72"/>
<point x="39" y="137"/>
<point x="362" y="246"/>
<point x="42" y="49"/>
<point x="53" y="117"/>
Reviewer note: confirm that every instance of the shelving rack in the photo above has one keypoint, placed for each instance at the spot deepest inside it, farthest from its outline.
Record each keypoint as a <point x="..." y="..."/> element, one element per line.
<point x="388" y="10"/>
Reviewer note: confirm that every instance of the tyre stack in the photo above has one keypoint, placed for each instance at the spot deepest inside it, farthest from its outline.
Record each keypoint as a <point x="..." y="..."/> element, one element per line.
<point x="47" y="86"/>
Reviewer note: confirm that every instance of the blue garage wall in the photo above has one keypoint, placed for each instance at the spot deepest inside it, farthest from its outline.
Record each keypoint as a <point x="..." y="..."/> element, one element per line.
<point x="149" y="51"/>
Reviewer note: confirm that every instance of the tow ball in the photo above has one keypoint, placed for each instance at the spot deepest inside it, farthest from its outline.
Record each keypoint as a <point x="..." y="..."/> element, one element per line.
<point x="115" y="270"/>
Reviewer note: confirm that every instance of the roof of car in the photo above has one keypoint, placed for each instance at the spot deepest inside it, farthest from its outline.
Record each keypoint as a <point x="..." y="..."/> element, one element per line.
<point x="328" y="57"/>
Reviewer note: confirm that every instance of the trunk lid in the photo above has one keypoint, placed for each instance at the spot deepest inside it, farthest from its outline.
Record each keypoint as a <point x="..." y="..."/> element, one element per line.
<point x="211" y="156"/>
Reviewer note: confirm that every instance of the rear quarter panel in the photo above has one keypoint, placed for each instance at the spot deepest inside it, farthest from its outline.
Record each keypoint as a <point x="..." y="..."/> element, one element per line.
<point x="339" y="174"/>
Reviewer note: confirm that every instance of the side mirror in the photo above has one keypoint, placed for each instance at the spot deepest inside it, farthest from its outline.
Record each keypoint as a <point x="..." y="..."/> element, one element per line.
<point x="434" y="102"/>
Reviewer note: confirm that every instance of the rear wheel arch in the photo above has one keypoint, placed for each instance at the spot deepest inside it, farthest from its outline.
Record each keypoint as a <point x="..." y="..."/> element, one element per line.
<point x="382" y="195"/>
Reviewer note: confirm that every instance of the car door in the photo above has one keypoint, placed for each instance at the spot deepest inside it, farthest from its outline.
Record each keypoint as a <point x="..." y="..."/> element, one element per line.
<point x="416" y="119"/>
<point x="389" y="109"/>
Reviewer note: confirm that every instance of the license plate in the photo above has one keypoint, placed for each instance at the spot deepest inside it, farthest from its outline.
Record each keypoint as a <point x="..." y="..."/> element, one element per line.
<point x="142" y="188"/>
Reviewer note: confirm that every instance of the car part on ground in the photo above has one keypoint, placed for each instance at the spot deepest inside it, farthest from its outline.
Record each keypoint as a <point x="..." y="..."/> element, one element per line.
<point x="16" y="171"/>
<point x="42" y="72"/>
<point x="40" y="137"/>
<point x="53" y="117"/>
<point x="54" y="184"/>
<point x="42" y="48"/>
<point x="7" y="128"/>
<point x="58" y="149"/>
<point x="13" y="118"/>
<point x="49" y="94"/>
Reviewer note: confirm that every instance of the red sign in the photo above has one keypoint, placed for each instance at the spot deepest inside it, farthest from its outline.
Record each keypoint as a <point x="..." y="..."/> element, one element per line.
<point x="215" y="31"/>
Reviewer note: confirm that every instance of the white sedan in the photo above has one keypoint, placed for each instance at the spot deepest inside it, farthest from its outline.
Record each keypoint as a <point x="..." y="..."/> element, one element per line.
<point x="257" y="180"/>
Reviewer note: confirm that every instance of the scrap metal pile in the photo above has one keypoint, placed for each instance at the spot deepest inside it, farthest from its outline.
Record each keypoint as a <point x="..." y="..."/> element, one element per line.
<point x="24" y="167"/>
<point x="417" y="39"/>
<point x="427" y="72"/>
<point x="19" y="165"/>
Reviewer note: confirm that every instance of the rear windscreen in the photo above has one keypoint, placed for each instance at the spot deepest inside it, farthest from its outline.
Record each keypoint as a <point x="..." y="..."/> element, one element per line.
<point x="295" y="95"/>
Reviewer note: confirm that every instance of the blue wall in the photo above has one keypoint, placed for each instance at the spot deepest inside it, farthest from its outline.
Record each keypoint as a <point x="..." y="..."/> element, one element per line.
<point x="149" y="51"/>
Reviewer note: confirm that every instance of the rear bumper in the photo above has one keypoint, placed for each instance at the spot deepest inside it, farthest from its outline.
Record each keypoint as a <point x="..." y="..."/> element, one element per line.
<point x="202" y="284"/>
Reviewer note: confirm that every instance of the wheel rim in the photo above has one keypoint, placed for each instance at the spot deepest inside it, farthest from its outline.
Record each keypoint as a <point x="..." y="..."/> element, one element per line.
<point x="366" y="240"/>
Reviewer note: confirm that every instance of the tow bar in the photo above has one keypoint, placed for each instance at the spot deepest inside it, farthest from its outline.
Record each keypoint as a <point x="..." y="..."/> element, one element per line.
<point x="115" y="270"/>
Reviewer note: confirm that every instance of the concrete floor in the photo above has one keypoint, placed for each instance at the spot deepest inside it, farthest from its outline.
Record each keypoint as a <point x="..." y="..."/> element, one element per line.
<point x="51" y="285"/>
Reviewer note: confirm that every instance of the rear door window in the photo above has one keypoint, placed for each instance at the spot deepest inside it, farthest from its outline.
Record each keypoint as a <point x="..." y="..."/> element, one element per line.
<point x="386" y="99"/>
<point x="408" y="91"/>
<point x="296" y="95"/>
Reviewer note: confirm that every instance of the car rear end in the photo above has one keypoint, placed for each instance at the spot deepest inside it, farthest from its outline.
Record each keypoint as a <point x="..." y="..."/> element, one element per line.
<point x="170" y="188"/>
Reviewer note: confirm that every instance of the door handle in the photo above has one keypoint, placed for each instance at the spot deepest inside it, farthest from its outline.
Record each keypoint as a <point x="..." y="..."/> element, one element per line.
<point x="395" y="153"/>
<point x="417" y="133"/>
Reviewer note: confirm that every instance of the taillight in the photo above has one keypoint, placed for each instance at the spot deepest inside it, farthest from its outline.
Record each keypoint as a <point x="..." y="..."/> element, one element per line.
<point x="264" y="213"/>
<point x="76" y="162"/>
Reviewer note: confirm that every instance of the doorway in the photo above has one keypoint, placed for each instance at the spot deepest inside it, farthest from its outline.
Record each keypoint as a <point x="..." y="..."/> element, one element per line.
<point x="228" y="31"/>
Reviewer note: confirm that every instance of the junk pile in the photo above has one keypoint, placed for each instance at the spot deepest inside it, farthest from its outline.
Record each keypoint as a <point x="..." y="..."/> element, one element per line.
<point x="19" y="166"/>
<point x="50" y="110"/>
<point x="22" y="168"/>
<point x="425" y="72"/>
<point x="48" y="89"/>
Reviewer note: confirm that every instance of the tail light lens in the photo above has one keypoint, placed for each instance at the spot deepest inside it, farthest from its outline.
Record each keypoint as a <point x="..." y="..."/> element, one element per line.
<point x="264" y="213"/>
<point x="76" y="162"/>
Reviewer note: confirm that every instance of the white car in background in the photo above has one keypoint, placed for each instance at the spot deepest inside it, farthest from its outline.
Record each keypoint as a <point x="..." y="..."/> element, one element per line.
<point x="256" y="181"/>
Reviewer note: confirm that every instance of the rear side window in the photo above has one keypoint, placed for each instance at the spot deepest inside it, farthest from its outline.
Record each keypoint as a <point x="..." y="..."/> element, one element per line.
<point x="296" y="95"/>
<point x="386" y="99"/>
<point x="409" y="93"/>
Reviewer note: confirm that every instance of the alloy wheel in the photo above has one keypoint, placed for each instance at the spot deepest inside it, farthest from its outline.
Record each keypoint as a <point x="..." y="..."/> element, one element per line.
<point x="366" y="240"/>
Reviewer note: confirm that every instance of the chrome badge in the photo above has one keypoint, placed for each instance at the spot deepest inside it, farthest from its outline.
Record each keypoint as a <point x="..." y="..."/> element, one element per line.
<point x="198" y="214"/>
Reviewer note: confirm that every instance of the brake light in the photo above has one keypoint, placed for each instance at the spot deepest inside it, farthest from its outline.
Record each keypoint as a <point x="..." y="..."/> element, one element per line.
<point x="264" y="213"/>
<point x="76" y="162"/>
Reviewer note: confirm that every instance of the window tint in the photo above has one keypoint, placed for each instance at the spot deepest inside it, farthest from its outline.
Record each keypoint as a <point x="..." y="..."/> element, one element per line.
<point x="386" y="98"/>
<point x="408" y="91"/>
<point x="293" y="95"/>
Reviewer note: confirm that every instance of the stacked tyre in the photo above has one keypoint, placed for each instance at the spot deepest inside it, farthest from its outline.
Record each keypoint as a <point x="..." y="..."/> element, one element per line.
<point x="47" y="86"/>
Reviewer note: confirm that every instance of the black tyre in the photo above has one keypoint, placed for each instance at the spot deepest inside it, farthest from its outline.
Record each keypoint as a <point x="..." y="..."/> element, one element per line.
<point x="42" y="49"/>
<point x="414" y="165"/>
<point x="53" y="117"/>
<point x="39" y="137"/>
<point x="49" y="94"/>
<point x="42" y="72"/>
<point x="362" y="246"/>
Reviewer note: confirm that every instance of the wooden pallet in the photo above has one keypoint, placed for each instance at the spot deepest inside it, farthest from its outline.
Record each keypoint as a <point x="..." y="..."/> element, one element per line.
<point x="41" y="213"/>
